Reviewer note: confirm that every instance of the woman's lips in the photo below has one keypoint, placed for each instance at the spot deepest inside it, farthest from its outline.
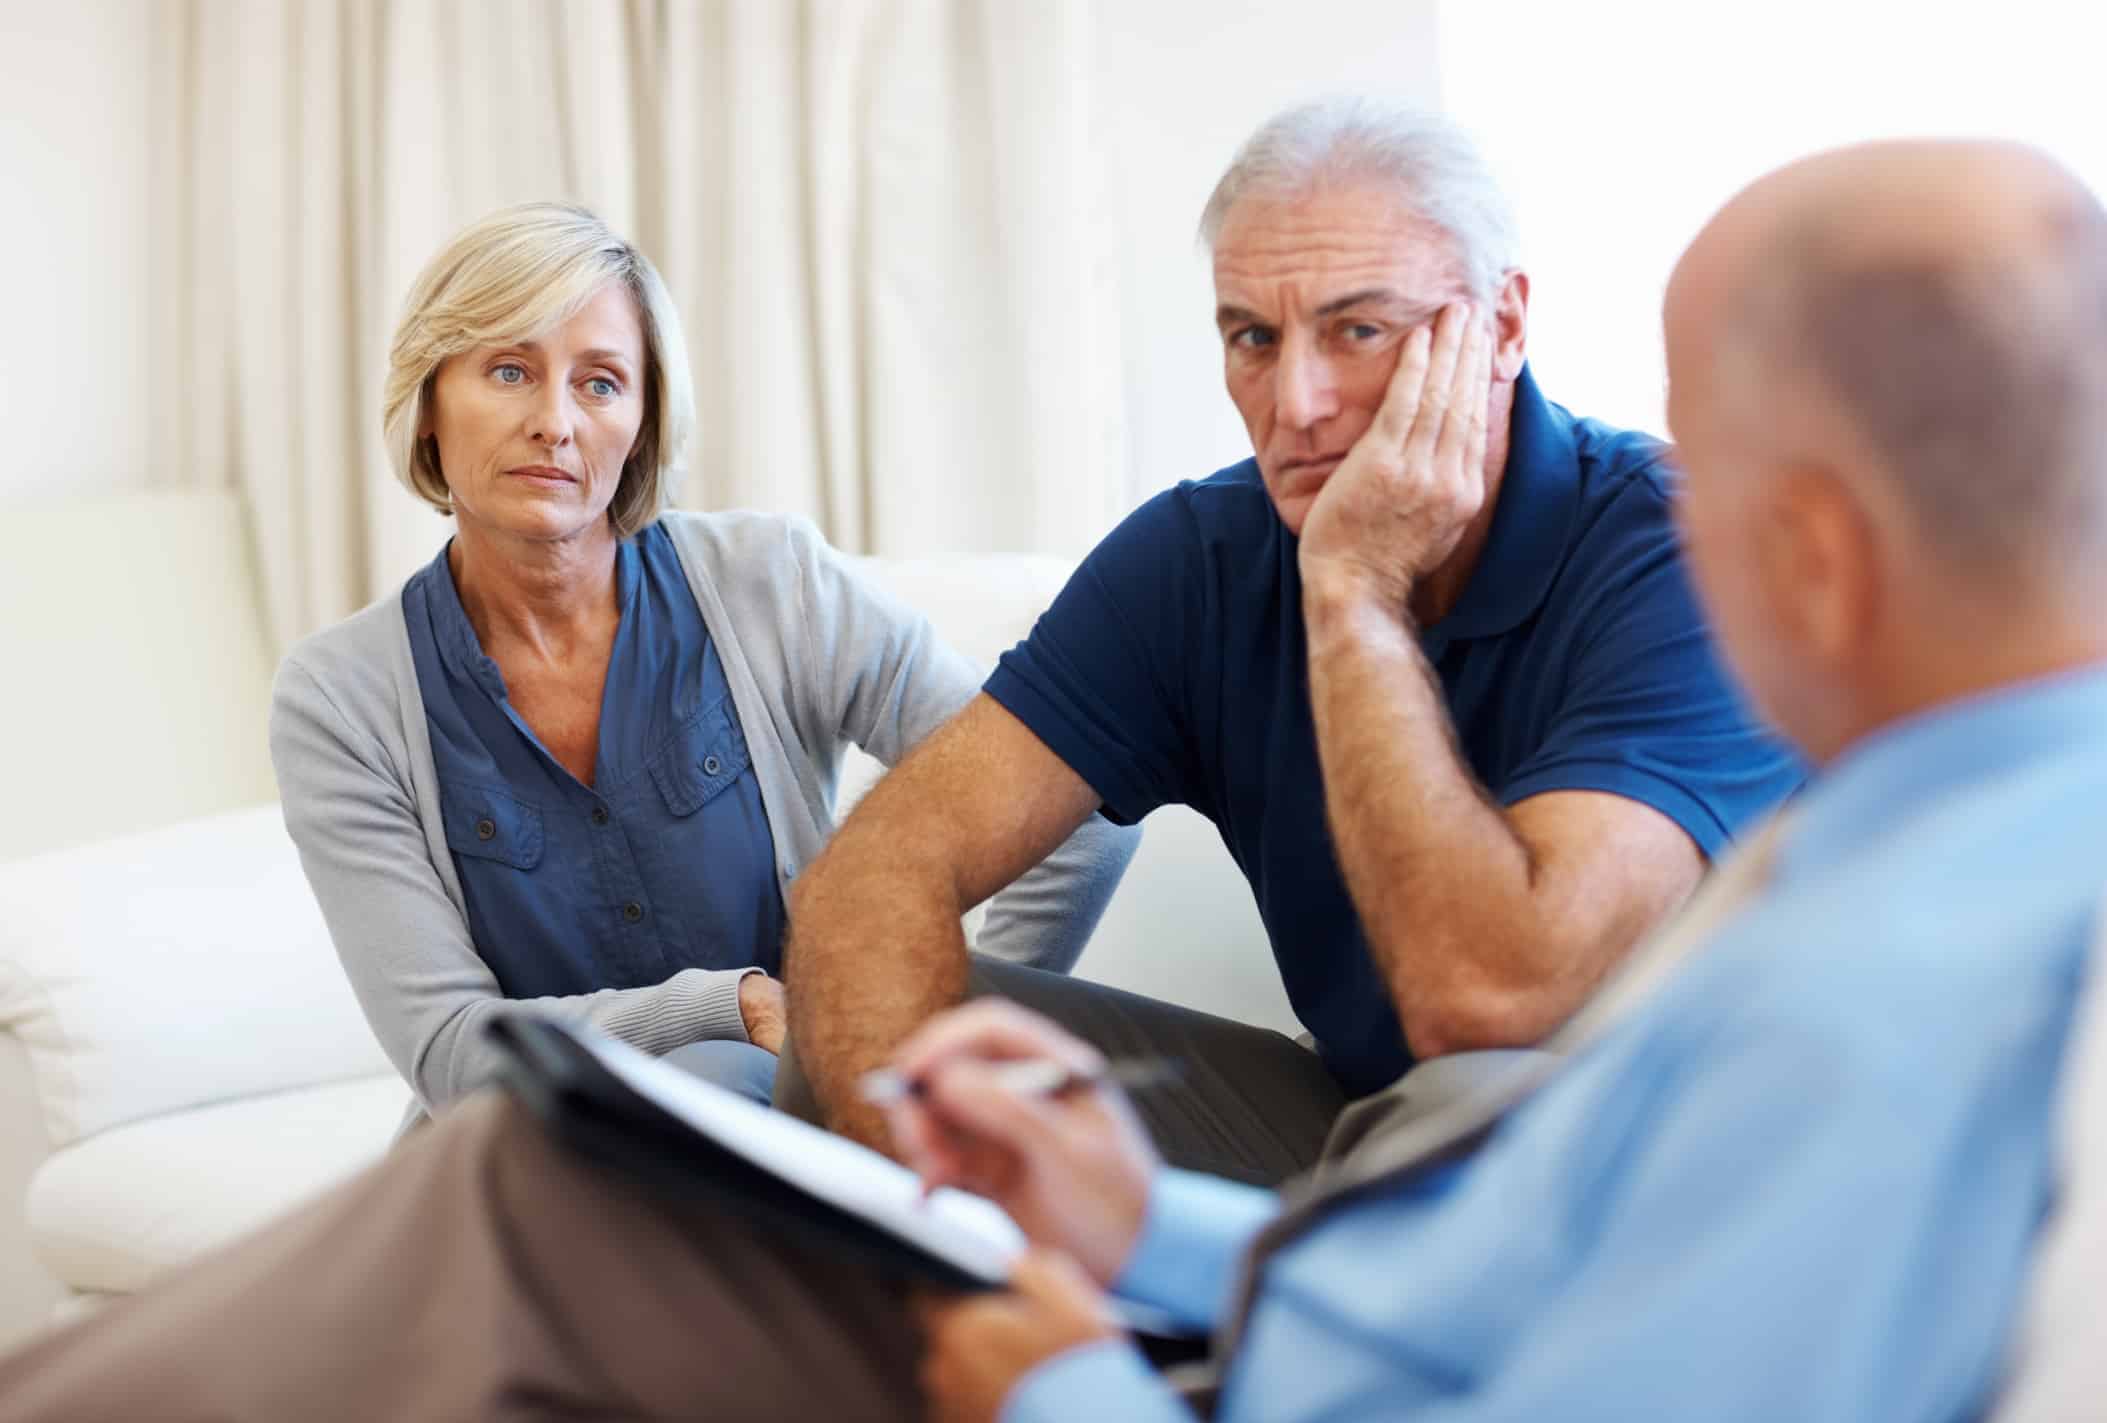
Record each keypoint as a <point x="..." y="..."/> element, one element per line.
<point x="541" y="474"/>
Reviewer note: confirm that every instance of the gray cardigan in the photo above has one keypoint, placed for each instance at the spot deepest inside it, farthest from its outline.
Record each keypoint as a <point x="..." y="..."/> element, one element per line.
<point x="815" y="657"/>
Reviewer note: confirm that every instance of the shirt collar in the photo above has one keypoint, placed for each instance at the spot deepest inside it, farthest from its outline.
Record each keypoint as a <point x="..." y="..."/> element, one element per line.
<point x="1891" y="775"/>
<point x="1539" y="499"/>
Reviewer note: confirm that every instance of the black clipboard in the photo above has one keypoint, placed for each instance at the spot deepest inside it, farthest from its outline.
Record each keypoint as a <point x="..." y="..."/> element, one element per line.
<point x="602" y="1118"/>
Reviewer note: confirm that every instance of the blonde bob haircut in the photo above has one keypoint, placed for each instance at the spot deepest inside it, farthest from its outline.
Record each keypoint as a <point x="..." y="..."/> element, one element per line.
<point x="507" y="278"/>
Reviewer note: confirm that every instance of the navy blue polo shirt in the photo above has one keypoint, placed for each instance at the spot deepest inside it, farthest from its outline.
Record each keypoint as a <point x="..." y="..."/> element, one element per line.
<point x="1173" y="669"/>
<point x="665" y="862"/>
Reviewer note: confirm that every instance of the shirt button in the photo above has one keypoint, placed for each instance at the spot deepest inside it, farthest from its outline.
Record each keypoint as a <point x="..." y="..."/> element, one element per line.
<point x="632" y="911"/>
<point x="711" y="765"/>
<point x="599" y="815"/>
<point x="486" y="828"/>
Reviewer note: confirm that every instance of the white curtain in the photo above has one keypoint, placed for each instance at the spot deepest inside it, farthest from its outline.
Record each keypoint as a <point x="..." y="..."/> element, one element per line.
<point x="884" y="222"/>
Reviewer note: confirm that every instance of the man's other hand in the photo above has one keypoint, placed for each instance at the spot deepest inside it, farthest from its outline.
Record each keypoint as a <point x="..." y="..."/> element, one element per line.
<point x="1402" y="498"/>
<point x="979" y="1346"/>
<point x="1072" y="1169"/>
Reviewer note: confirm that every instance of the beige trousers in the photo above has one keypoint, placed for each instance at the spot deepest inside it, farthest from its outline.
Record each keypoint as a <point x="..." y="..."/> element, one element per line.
<point x="483" y="1271"/>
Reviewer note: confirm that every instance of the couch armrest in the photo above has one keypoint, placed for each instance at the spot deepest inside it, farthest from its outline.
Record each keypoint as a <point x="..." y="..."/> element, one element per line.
<point x="27" y="1290"/>
<point x="172" y="969"/>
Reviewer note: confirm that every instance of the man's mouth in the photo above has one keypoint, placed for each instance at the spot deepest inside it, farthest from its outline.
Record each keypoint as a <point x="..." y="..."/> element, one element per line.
<point x="1310" y="469"/>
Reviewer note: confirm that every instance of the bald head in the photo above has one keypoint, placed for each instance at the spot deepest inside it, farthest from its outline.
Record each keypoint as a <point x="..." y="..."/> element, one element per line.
<point x="1932" y="315"/>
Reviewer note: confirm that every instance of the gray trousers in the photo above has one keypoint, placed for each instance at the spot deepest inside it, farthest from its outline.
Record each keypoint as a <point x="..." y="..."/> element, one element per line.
<point x="1249" y="1103"/>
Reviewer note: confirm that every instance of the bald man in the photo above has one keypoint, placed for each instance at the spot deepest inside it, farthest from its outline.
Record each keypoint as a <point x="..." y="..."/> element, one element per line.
<point x="1795" y="1165"/>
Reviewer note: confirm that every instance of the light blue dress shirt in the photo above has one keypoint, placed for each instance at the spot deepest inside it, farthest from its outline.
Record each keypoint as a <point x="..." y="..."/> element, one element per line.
<point x="1802" y="1184"/>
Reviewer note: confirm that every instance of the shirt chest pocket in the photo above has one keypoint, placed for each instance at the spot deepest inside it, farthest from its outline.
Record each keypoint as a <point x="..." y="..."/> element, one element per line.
<point x="486" y="823"/>
<point x="699" y="762"/>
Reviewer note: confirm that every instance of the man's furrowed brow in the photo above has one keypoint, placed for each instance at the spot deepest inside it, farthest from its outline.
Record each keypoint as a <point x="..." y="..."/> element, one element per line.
<point x="1371" y="296"/>
<point x="1226" y="316"/>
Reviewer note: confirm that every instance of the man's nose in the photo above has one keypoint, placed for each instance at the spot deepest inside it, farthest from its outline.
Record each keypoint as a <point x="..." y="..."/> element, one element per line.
<point x="1305" y="390"/>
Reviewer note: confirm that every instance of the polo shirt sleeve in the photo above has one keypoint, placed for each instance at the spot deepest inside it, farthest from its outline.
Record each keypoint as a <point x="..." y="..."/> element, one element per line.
<point x="1102" y="677"/>
<point x="1647" y="710"/>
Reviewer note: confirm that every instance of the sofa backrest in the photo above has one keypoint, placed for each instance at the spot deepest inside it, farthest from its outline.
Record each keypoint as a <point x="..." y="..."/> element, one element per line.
<point x="138" y="668"/>
<point x="1183" y="926"/>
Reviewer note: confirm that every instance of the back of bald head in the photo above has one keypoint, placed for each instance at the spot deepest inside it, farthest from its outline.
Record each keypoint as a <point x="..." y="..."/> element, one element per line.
<point x="1945" y="305"/>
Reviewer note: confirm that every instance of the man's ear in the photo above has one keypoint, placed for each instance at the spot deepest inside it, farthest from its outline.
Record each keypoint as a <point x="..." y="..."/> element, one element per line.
<point x="1822" y="564"/>
<point x="1510" y="317"/>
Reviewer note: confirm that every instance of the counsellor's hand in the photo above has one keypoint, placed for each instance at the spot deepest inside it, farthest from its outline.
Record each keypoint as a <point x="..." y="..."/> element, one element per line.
<point x="980" y="1345"/>
<point x="1399" y="503"/>
<point x="761" y="1005"/>
<point x="1072" y="1170"/>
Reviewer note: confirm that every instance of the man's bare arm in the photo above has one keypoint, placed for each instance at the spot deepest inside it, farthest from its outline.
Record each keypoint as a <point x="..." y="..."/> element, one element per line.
<point x="875" y="946"/>
<point x="1491" y="926"/>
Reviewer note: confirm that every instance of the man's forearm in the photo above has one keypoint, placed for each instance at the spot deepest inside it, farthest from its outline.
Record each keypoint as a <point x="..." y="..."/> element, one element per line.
<point x="1442" y="881"/>
<point x="875" y="949"/>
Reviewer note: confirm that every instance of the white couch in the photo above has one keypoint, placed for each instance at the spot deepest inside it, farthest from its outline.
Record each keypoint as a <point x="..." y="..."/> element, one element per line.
<point x="180" y="1058"/>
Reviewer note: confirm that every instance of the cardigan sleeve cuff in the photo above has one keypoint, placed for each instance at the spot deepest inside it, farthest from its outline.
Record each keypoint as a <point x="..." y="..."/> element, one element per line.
<point x="695" y="1005"/>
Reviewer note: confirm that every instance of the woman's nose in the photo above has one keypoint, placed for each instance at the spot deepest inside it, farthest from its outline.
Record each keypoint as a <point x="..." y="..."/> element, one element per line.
<point x="550" y="422"/>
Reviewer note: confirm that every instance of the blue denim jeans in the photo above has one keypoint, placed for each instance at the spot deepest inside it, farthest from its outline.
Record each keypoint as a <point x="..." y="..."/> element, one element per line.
<point x="737" y="1067"/>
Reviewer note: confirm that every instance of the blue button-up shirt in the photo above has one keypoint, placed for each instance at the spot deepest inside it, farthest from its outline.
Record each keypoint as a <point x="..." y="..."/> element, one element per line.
<point x="665" y="862"/>
<point x="1802" y="1184"/>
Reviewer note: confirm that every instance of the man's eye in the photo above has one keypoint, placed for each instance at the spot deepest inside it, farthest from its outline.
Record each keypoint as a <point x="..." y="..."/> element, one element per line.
<point x="1251" y="338"/>
<point x="1363" y="331"/>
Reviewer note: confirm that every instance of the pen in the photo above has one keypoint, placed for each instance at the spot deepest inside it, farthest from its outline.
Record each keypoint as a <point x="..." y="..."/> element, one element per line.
<point x="1037" y="1077"/>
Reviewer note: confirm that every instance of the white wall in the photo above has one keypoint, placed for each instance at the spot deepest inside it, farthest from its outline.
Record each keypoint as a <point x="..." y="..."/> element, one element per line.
<point x="1182" y="82"/>
<point x="74" y="248"/>
<point x="1622" y="125"/>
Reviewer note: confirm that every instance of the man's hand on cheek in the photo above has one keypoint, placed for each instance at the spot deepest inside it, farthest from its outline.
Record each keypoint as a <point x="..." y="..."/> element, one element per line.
<point x="979" y="1346"/>
<point x="1400" y="501"/>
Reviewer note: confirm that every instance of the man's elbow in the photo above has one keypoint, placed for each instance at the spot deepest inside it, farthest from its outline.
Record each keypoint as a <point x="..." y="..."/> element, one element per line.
<point x="1473" y="1016"/>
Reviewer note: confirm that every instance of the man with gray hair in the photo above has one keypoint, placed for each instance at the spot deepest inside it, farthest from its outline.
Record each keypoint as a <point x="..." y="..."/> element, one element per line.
<point x="1799" y="1154"/>
<point x="1453" y="709"/>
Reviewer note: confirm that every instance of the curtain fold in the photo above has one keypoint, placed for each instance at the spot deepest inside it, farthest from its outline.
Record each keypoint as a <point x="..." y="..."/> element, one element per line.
<point x="884" y="223"/>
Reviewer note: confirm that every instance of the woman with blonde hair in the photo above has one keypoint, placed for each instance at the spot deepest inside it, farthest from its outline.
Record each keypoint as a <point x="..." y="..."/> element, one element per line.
<point x="571" y="766"/>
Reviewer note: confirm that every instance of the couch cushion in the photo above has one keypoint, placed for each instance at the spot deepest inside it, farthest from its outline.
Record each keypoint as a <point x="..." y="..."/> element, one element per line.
<point x="117" y="1212"/>
<point x="171" y="969"/>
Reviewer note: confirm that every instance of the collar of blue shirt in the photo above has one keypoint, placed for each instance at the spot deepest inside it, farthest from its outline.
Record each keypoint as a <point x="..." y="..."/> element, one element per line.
<point x="1539" y="498"/>
<point x="1903" y="768"/>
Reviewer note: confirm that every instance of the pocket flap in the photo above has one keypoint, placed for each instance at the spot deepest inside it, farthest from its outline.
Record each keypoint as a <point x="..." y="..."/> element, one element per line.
<point x="490" y="824"/>
<point x="701" y="759"/>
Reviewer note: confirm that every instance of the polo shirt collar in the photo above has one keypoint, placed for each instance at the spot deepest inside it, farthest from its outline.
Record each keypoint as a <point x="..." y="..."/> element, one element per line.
<point x="1533" y="524"/>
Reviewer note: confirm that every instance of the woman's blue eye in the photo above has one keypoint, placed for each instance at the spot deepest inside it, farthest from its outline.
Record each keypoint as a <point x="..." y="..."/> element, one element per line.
<point x="509" y="374"/>
<point x="603" y="387"/>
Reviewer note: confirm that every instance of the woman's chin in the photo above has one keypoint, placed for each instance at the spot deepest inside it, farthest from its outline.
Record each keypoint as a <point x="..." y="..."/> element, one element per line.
<point x="538" y="520"/>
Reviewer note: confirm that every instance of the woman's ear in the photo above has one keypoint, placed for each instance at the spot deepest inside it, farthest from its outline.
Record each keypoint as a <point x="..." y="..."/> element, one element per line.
<point x="1510" y="316"/>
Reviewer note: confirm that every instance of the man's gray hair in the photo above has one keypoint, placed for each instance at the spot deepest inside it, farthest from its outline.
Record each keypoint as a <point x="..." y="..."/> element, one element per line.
<point x="1433" y="163"/>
